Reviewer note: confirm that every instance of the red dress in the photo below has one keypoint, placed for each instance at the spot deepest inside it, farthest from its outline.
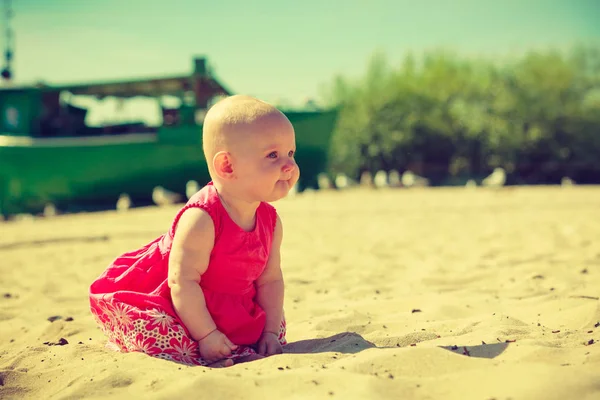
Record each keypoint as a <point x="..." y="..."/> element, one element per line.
<point x="131" y="300"/>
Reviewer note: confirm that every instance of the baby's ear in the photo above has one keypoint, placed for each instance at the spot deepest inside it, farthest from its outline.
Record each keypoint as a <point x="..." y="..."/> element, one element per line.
<point x="222" y="165"/>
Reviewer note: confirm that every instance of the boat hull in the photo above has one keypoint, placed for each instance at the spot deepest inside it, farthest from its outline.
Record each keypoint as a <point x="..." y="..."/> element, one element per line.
<point x="91" y="172"/>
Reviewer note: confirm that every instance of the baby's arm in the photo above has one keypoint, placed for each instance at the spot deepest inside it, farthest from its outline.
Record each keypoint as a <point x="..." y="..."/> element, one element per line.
<point x="190" y="254"/>
<point x="270" y="288"/>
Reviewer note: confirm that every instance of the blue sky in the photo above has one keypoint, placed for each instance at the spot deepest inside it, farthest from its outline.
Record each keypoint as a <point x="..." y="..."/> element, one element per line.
<point x="276" y="49"/>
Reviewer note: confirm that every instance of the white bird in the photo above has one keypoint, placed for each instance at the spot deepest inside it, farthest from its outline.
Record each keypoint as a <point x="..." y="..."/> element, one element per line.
<point x="381" y="179"/>
<point x="496" y="179"/>
<point x="50" y="210"/>
<point x="124" y="202"/>
<point x="164" y="197"/>
<point x="366" y="179"/>
<point x="471" y="184"/>
<point x="343" y="182"/>
<point x="410" y="179"/>
<point x="323" y="181"/>
<point x="394" y="178"/>
<point x="191" y="188"/>
<point x="24" y="217"/>
<point x="567" y="182"/>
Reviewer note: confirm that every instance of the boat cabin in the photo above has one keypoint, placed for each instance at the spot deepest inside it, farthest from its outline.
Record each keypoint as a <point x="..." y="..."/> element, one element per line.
<point x="42" y="111"/>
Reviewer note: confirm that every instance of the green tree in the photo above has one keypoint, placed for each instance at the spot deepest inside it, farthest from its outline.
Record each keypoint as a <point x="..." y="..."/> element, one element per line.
<point x="453" y="118"/>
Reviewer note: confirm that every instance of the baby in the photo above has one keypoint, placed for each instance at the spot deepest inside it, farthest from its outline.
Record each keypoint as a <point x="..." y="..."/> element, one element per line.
<point x="210" y="290"/>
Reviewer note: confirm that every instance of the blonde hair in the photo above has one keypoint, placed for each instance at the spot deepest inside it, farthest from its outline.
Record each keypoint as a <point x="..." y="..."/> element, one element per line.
<point x="226" y="120"/>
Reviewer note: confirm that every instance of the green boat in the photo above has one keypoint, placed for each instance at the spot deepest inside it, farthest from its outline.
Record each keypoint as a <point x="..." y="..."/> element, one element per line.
<point x="50" y="154"/>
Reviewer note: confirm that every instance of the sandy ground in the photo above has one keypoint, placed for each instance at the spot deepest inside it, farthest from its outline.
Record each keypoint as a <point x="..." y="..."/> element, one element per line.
<point x="415" y="294"/>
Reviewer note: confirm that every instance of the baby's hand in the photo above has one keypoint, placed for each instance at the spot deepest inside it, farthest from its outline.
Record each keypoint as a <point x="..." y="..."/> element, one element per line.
<point x="215" y="346"/>
<point x="269" y="344"/>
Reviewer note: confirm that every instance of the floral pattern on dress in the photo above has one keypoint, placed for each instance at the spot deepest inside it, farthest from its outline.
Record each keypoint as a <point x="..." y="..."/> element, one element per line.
<point x="155" y="333"/>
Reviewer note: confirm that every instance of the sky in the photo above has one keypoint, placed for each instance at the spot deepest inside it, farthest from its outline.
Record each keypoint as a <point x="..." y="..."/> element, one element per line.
<point x="276" y="50"/>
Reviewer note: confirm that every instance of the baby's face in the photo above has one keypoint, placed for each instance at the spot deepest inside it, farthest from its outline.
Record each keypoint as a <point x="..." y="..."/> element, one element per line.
<point x="263" y="162"/>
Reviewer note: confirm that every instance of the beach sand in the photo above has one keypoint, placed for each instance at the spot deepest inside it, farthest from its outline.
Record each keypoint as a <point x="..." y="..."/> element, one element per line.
<point x="399" y="294"/>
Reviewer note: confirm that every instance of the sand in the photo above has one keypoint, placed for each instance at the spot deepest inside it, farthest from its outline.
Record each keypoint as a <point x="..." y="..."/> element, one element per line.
<point x="414" y="294"/>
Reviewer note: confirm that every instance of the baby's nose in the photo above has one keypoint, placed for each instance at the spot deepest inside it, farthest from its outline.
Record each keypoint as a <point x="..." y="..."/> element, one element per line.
<point x="289" y="165"/>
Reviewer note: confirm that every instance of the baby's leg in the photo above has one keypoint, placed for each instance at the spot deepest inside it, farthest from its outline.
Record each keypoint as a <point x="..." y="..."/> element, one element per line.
<point x="150" y="331"/>
<point x="157" y="333"/>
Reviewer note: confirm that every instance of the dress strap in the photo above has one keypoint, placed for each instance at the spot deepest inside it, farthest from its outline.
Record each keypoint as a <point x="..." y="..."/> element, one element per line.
<point x="269" y="215"/>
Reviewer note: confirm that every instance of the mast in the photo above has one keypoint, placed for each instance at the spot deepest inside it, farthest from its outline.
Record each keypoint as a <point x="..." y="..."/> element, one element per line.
<point x="9" y="44"/>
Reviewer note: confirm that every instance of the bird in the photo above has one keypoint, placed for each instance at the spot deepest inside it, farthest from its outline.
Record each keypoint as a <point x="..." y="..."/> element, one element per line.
<point x="394" y="178"/>
<point x="381" y="179"/>
<point x="124" y="202"/>
<point x="567" y="182"/>
<point x="323" y="181"/>
<point x="191" y="188"/>
<point x="164" y="197"/>
<point x="410" y="179"/>
<point x="471" y="184"/>
<point x="50" y="210"/>
<point x="496" y="179"/>
<point x="342" y="181"/>
<point x="366" y="179"/>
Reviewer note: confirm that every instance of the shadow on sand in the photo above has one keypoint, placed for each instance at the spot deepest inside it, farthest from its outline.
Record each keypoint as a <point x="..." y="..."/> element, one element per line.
<point x="350" y="343"/>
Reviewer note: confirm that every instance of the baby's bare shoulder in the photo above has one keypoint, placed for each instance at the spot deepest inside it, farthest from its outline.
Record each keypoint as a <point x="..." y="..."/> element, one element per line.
<point x="194" y="224"/>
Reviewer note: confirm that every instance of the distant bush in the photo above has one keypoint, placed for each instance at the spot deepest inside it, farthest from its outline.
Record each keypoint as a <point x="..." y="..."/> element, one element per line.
<point x="452" y="118"/>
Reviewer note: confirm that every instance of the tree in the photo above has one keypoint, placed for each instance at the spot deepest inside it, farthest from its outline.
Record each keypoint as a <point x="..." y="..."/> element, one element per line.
<point x="455" y="118"/>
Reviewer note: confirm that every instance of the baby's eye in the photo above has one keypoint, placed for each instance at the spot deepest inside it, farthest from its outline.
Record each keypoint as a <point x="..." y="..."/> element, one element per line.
<point x="291" y="153"/>
<point x="272" y="154"/>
